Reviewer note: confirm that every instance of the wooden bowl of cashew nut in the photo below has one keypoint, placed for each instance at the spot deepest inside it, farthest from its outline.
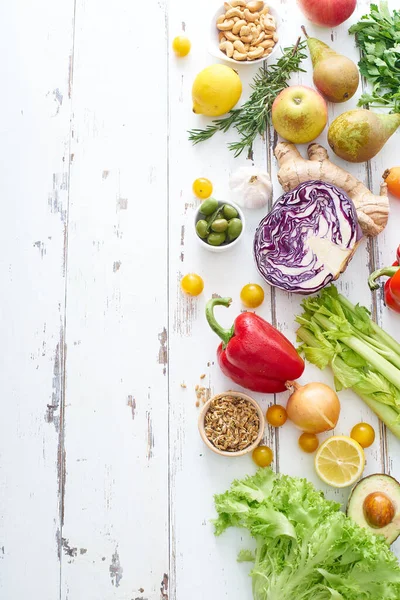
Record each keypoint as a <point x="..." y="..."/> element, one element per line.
<point x="245" y="32"/>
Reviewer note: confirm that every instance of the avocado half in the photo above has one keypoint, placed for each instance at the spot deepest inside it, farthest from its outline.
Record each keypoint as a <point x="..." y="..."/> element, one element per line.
<point x="374" y="504"/>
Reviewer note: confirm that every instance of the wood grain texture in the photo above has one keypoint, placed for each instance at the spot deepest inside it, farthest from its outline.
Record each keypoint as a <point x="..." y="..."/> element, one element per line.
<point x="106" y="487"/>
<point x="35" y="127"/>
<point x="116" y="434"/>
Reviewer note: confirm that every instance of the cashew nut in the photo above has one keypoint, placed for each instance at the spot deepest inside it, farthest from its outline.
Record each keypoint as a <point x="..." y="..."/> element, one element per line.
<point x="227" y="5"/>
<point x="267" y="51"/>
<point x="269" y="20"/>
<point x="245" y="31"/>
<point x="238" y="26"/>
<point x="221" y="19"/>
<point x="235" y="3"/>
<point x="229" y="36"/>
<point x="226" y="25"/>
<point x="264" y="11"/>
<point x="268" y="25"/>
<point x="239" y="56"/>
<point x="275" y="37"/>
<point x="221" y="36"/>
<point x="251" y="17"/>
<point x="259" y="39"/>
<point x="227" y="47"/>
<point x="254" y="53"/>
<point x="234" y="12"/>
<point x="247" y="39"/>
<point x="255" y="5"/>
<point x="239" y="46"/>
<point x="267" y="44"/>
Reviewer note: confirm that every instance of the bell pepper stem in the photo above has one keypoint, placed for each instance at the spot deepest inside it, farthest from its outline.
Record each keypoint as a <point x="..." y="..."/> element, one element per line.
<point x="224" y="334"/>
<point x="385" y="272"/>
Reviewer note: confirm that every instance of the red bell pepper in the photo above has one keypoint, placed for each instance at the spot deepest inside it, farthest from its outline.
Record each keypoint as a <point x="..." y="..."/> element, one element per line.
<point x="392" y="285"/>
<point x="253" y="353"/>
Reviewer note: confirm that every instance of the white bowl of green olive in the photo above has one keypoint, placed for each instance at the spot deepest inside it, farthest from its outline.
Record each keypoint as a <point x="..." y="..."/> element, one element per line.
<point x="218" y="225"/>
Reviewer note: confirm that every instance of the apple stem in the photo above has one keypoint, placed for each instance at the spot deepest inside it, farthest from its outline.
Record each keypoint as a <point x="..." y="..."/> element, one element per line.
<point x="304" y="31"/>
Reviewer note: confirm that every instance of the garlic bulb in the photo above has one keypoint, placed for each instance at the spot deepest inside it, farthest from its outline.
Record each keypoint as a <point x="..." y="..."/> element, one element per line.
<point x="251" y="187"/>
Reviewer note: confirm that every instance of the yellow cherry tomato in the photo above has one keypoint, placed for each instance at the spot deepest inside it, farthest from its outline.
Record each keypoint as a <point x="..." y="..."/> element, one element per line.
<point x="276" y="415"/>
<point x="252" y="295"/>
<point x="263" y="456"/>
<point x="192" y="284"/>
<point x="364" y="434"/>
<point x="181" y="45"/>
<point x="202" y="188"/>
<point x="308" y="442"/>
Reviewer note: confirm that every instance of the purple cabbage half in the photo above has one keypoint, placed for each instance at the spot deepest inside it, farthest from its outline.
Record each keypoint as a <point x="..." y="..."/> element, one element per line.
<point x="308" y="238"/>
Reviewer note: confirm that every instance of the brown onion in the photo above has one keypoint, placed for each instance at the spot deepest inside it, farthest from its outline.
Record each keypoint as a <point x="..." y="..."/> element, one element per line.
<point x="314" y="407"/>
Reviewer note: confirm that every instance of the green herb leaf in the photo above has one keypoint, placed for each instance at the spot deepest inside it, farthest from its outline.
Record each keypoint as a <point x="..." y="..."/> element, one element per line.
<point x="378" y="37"/>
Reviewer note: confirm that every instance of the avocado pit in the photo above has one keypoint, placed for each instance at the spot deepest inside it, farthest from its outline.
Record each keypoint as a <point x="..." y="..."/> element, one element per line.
<point x="378" y="509"/>
<point x="374" y="504"/>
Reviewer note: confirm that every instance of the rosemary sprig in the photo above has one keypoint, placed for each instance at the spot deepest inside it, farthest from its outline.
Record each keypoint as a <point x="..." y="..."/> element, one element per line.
<point x="253" y="116"/>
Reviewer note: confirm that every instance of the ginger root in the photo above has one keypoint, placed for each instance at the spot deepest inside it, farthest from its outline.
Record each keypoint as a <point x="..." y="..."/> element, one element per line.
<point x="372" y="211"/>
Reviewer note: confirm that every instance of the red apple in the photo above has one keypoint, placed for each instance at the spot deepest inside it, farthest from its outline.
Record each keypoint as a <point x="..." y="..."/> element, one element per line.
<point x="327" y="13"/>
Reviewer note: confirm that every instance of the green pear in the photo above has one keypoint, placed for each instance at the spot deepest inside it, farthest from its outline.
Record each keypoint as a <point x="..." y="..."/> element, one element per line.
<point x="335" y="75"/>
<point x="358" y="135"/>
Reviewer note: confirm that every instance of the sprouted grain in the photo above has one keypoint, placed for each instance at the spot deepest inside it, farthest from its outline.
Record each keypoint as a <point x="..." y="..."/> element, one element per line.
<point x="231" y="424"/>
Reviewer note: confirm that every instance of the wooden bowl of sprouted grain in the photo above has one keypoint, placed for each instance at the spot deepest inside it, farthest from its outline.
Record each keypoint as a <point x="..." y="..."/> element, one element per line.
<point x="231" y="424"/>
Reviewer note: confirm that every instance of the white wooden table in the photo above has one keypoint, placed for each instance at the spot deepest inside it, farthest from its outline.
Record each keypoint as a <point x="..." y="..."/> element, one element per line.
<point x="106" y="490"/>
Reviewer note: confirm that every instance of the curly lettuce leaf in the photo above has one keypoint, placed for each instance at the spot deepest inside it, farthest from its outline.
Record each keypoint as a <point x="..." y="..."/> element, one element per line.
<point x="306" y="547"/>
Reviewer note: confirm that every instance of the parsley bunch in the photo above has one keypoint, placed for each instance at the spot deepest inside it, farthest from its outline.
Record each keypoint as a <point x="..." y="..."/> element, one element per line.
<point x="378" y="37"/>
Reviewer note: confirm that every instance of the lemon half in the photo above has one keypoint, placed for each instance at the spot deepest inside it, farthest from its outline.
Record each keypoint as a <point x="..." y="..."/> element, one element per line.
<point x="340" y="461"/>
<point x="216" y="90"/>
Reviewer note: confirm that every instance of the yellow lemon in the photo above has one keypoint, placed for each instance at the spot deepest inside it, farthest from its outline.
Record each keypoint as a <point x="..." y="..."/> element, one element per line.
<point x="216" y="90"/>
<point x="340" y="461"/>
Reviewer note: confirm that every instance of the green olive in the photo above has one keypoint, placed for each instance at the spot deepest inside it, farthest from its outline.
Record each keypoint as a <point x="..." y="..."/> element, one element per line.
<point x="202" y="229"/>
<point x="216" y="239"/>
<point x="208" y="206"/>
<point x="235" y="227"/>
<point x="230" y="212"/>
<point x="219" y="225"/>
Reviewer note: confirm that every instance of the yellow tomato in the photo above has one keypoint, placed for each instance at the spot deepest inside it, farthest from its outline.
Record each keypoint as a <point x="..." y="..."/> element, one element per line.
<point x="308" y="442"/>
<point x="192" y="284"/>
<point x="252" y="295"/>
<point x="202" y="188"/>
<point x="263" y="456"/>
<point x="181" y="45"/>
<point x="276" y="415"/>
<point x="364" y="434"/>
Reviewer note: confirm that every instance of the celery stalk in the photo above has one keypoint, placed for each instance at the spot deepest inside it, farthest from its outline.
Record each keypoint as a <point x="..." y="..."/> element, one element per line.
<point x="384" y="412"/>
<point x="362" y="356"/>
<point x="391" y="342"/>
<point x="382" y="365"/>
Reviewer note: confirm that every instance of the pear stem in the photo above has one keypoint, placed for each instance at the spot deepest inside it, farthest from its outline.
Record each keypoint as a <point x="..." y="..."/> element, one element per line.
<point x="304" y="31"/>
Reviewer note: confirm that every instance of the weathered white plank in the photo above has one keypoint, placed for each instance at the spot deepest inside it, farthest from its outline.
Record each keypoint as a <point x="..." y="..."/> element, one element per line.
<point x="116" y="503"/>
<point x="352" y="283"/>
<point x="36" y="43"/>
<point x="385" y="248"/>
<point x="197" y="473"/>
